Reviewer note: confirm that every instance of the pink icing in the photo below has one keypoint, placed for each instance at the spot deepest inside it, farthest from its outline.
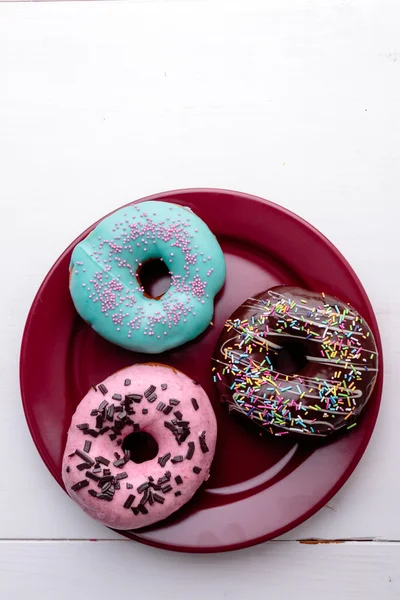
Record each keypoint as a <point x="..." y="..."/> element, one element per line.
<point x="179" y="387"/>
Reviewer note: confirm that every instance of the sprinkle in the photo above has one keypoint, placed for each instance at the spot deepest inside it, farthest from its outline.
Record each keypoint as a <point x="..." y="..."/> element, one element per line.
<point x="196" y="470"/>
<point x="103" y="389"/>
<point x="129" y="501"/>
<point x="195" y="404"/>
<point x="177" y="459"/>
<point x="87" y="446"/>
<point x="202" y="439"/>
<point x="164" y="386"/>
<point x="134" y="398"/>
<point x="158" y="498"/>
<point x="83" y="426"/>
<point x="81" y="484"/>
<point x="150" y="390"/>
<point x="190" y="451"/>
<point x="162" y="460"/>
<point x="127" y="382"/>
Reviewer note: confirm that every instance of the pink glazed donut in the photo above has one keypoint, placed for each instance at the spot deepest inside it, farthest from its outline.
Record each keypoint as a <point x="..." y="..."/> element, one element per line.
<point x="142" y="401"/>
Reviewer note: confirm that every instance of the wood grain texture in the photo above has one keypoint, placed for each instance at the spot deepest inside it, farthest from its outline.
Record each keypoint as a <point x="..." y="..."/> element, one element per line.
<point x="289" y="569"/>
<point x="293" y="100"/>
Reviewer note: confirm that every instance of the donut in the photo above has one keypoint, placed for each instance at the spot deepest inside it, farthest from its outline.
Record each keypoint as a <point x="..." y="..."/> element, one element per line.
<point x="105" y="276"/>
<point x="296" y="362"/>
<point x="101" y="467"/>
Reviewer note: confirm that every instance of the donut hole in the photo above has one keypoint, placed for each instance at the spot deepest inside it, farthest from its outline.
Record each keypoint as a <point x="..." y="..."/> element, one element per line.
<point x="142" y="446"/>
<point x="154" y="277"/>
<point x="291" y="359"/>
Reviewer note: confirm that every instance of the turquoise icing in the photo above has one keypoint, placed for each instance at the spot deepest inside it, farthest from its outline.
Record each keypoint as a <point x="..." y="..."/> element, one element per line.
<point x="106" y="292"/>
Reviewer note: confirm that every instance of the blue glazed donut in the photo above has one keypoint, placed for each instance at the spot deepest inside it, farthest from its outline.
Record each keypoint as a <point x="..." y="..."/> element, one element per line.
<point x="107" y="294"/>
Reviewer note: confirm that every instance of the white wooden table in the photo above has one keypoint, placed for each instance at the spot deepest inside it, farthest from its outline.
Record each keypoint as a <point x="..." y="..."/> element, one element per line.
<point x="101" y="103"/>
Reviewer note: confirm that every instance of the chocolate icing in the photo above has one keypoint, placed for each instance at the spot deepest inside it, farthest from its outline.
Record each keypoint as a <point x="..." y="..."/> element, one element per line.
<point x="296" y="361"/>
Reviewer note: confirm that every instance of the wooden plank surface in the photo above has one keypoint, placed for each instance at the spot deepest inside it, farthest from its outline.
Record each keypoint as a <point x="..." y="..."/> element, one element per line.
<point x="102" y="103"/>
<point x="286" y="569"/>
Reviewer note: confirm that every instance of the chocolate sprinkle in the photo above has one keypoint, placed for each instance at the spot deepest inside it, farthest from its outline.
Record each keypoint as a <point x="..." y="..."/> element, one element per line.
<point x="104" y="430"/>
<point x="110" y="412"/>
<point x="202" y="440"/>
<point x="151" y="498"/>
<point x="177" y="459"/>
<point x="102" y="460"/>
<point x="83" y="426"/>
<point x="103" y="405"/>
<point x="178" y="493"/>
<point x="87" y="446"/>
<point x="158" y="498"/>
<point x="122" y="475"/>
<point x="167" y="410"/>
<point x="103" y="389"/>
<point x="112" y="436"/>
<point x="84" y="457"/>
<point x="150" y="390"/>
<point x="90" y="475"/>
<point x="160" y="406"/>
<point x="94" y="412"/>
<point x="145" y="497"/>
<point x="142" y="487"/>
<point x="142" y="509"/>
<point x="81" y="484"/>
<point x="178" y="480"/>
<point x="190" y="452"/>
<point x="135" y="510"/>
<point x="178" y="415"/>
<point x="145" y="411"/>
<point x="196" y="470"/>
<point x="93" y="493"/>
<point x="119" y="463"/>
<point x="169" y="426"/>
<point x="106" y="486"/>
<point x="105" y="479"/>
<point x="152" y="398"/>
<point x="164" y="386"/>
<point x="127" y="382"/>
<point x="96" y="468"/>
<point x="162" y="461"/>
<point x="103" y="496"/>
<point x="167" y="488"/>
<point x="195" y="404"/>
<point x="92" y="432"/>
<point x="117" y="397"/>
<point x="129" y="486"/>
<point x="128" y="502"/>
<point x="173" y="402"/>
<point x="133" y="398"/>
<point x="67" y="469"/>
<point x="83" y="466"/>
<point x="94" y="387"/>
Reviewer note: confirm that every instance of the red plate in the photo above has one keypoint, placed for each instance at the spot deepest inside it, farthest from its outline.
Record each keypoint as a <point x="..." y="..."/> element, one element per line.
<point x="259" y="487"/>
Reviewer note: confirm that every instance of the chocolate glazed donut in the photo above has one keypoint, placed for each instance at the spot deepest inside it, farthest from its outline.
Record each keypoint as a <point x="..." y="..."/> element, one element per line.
<point x="296" y="362"/>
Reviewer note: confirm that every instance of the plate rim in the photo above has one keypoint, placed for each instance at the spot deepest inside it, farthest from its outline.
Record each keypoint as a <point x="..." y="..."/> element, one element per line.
<point x="167" y="197"/>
